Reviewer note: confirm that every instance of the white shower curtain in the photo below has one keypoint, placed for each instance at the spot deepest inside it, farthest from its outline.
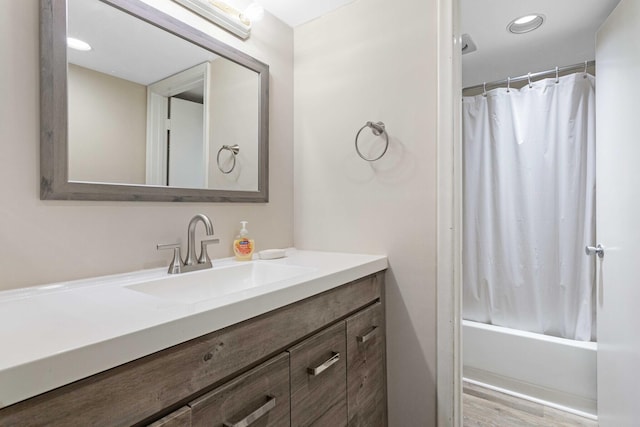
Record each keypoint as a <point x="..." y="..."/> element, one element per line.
<point x="529" y="207"/>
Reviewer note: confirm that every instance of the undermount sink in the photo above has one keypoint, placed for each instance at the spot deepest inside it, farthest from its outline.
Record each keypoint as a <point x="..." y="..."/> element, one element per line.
<point x="218" y="282"/>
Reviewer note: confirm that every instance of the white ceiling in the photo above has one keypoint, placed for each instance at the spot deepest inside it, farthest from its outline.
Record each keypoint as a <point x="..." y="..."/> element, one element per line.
<point x="126" y="47"/>
<point x="294" y="12"/>
<point x="297" y="12"/>
<point x="567" y="37"/>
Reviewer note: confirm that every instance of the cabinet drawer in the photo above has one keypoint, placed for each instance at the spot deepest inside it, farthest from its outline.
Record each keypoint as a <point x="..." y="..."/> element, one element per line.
<point x="259" y="398"/>
<point x="318" y="379"/>
<point x="179" y="418"/>
<point x="366" y="376"/>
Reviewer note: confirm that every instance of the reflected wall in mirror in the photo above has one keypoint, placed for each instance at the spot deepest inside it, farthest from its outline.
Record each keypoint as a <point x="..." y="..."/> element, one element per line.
<point x="151" y="105"/>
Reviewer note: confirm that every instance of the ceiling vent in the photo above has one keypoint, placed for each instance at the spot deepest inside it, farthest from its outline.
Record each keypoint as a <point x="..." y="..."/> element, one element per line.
<point x="468" y="45"/>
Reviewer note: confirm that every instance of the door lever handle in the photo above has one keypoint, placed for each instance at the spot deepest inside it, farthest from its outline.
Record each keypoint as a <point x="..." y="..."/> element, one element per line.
<point x="597" y="250"/>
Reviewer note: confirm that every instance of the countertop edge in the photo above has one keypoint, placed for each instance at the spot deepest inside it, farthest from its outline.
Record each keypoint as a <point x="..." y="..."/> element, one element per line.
<point x="33" y="378"/>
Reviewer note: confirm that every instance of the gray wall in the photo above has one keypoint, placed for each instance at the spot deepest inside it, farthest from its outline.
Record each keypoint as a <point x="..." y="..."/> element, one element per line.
<point x="375" y="60"/>
<point x="233" y="120"/>
<point x="107" y="127"/>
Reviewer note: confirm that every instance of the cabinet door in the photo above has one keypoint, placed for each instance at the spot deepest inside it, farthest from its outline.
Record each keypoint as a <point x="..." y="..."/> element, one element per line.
<point x="259" y="398"/>
<point x="179" y="418"/>
<point x="366" y="373"/>
<point x="318" y="379"/>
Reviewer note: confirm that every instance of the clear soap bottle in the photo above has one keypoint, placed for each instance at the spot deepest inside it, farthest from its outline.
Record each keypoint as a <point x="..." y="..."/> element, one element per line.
<point x="243" y="245"/>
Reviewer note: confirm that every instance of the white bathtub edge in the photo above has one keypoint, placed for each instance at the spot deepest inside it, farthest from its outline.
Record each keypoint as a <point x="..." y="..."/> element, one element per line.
<point x="554" y="370"/>
<point x="587" y="345"/>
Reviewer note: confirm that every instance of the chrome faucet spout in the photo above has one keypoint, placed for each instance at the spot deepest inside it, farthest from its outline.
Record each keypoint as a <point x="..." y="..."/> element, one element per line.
<point x="191" y="237"/>
<point x="191" y="263"/>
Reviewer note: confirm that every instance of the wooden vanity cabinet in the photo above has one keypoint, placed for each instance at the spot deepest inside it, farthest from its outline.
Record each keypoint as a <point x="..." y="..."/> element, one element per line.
<point x="261" y="365"/>
<point x="258" y="398"/>
<point x="178" y="418"/>
<point x="318" y="379"/>
<point x="366" y="362"/>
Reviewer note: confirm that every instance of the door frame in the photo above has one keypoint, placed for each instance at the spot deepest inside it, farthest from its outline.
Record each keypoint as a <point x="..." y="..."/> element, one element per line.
<point x="449" y="212"/>
<point x="158" y="94"/>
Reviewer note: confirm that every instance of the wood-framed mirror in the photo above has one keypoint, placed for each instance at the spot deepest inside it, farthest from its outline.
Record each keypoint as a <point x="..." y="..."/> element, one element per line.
<point x="154" y="110"/>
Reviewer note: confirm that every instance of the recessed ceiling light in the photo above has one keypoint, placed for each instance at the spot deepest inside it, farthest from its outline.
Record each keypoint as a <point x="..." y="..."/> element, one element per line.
<point x="526" y="23"/>
<point x="525" y="19"/>
<point x="77" y="44"/>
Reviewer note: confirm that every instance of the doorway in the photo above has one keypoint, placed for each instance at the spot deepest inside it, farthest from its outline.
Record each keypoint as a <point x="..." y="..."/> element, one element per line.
<point x="178" y="129"/>
<point x="450" y="210"/>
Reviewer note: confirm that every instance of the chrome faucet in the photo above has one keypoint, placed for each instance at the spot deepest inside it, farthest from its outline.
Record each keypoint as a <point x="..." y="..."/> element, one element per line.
<point x="191" y="239"/>
<point x="191" y="263"/>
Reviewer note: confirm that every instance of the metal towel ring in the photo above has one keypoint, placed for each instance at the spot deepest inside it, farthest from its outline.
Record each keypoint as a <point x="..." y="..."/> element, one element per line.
<point x="377" y="129"/>
<point x="235" y="149"/>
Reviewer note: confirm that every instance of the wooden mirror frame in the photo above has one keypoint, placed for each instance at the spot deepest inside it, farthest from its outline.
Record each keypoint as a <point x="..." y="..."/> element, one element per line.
<point x="54" y="169"/>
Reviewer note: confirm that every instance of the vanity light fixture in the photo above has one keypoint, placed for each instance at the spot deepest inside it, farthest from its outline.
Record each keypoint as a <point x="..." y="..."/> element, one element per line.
<point x="254" y="12"/>
<point x="221" y="14"/>
<point x="78" y="44"/>
<point x="526" y="23"/>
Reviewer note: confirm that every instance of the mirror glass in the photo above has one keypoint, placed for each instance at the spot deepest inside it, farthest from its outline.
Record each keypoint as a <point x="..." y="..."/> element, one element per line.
<point x="148" y="109"/>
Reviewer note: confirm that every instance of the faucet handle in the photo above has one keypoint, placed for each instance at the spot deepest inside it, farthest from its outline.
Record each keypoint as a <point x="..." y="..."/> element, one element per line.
<point x="176" y="263"/>
<point x="204" y="256"/>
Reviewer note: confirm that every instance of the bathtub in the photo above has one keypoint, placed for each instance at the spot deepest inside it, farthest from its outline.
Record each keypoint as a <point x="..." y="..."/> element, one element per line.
<point x="554" y="371"/>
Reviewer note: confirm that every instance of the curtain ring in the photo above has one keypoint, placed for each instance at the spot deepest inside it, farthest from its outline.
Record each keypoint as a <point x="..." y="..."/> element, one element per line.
<point x="484" y="89"/>
<point x="508" y="84"/>
<point x="377" y="129"/>
<point x="529" y="78"/>
<point x="557" y="74"/>
<point x="235" y="149"/>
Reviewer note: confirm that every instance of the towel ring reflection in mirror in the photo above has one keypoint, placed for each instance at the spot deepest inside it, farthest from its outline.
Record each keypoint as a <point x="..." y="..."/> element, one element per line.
<point x="234" y="149"/>
<point x="377" y="129"/>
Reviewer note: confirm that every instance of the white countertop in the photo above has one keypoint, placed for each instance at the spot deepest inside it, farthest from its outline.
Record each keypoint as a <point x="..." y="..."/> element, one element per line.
<point x="55" y="334"/>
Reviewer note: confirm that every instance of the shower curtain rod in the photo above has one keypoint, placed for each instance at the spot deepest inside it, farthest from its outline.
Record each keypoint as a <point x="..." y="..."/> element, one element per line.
<point x="532" y="76"/>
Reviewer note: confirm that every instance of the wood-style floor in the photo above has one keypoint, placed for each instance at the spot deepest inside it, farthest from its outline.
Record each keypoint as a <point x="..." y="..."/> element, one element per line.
<point x="487" y="408"/>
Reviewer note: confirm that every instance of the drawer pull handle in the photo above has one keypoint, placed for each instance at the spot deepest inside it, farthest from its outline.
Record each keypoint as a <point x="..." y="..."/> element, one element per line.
<point x="252" y="417"/>
<point x="366" y="337"/>
<point x="335" y="357"/>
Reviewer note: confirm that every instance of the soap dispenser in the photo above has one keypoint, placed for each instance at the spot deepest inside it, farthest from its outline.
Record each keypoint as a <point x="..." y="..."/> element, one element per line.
<point x="243" y="246"/>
